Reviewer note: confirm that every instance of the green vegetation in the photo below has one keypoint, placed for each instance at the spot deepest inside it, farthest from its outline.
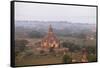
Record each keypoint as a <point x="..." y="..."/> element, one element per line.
<point x="91" y="49"/>
<point x="26" y="55"/>
<point x="73" y="38"/>
<point x="35" y="34"/>
<point x="73" y="47"/>
<point x="66" y="58"/>
<point x="20" y="46"/>
<point x="92" y="58"/>
<point x="38" y="59"/>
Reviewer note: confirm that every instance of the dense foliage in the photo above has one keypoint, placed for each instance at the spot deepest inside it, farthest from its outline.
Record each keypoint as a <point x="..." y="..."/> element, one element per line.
<point x="66" y="58"/>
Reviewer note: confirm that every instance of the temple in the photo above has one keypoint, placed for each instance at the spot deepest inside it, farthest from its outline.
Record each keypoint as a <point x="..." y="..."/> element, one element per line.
<point x="50" y="40"/>
<point x="84" y="55"/>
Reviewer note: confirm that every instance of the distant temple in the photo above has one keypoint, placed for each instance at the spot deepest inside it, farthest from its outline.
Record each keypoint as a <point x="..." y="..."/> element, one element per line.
<point x="84" y="55"/>
<point x="50" y="40"/>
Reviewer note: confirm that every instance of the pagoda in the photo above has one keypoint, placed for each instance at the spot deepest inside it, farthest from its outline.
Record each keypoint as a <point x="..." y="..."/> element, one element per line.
<point x="50" y="40"/>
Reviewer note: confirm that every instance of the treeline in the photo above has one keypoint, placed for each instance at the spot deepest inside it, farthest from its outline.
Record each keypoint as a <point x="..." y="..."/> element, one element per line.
<point x="76" y="47"/>
<point x="20" y="46"/>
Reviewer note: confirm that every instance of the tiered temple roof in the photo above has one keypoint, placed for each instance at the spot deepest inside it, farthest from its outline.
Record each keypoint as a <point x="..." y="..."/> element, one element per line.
<point x="50" y="40"/>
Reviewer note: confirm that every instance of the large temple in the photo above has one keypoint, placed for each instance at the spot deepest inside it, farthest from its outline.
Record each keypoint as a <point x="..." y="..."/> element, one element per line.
<point x="50" y="40"/>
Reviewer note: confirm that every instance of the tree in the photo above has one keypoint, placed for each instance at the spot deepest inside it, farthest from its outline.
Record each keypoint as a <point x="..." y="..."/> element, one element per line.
<point x="72" y="46"/>
<point x="35" y="34"/>
<point x="66" y="58"/>
<point x="91" y="49"/>
<point x="20" y="46"/>
<point x="92" y="58"/>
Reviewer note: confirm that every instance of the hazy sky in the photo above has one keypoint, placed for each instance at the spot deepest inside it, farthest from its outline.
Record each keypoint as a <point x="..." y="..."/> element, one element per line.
<point x="48" y="12"/>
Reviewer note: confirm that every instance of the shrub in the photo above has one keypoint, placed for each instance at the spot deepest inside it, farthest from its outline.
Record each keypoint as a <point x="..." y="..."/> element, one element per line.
<point x="66" y="58"/>
<point x="92" y="58"/>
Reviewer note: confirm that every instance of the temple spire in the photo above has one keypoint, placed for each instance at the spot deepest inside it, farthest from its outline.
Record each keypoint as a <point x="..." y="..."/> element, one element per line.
<point x="50" y="39"/>
<point x="50" y="28"/>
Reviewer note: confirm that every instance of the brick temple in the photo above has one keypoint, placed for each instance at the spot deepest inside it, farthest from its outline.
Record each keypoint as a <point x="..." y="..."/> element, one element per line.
<point x="50" y="40"/>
